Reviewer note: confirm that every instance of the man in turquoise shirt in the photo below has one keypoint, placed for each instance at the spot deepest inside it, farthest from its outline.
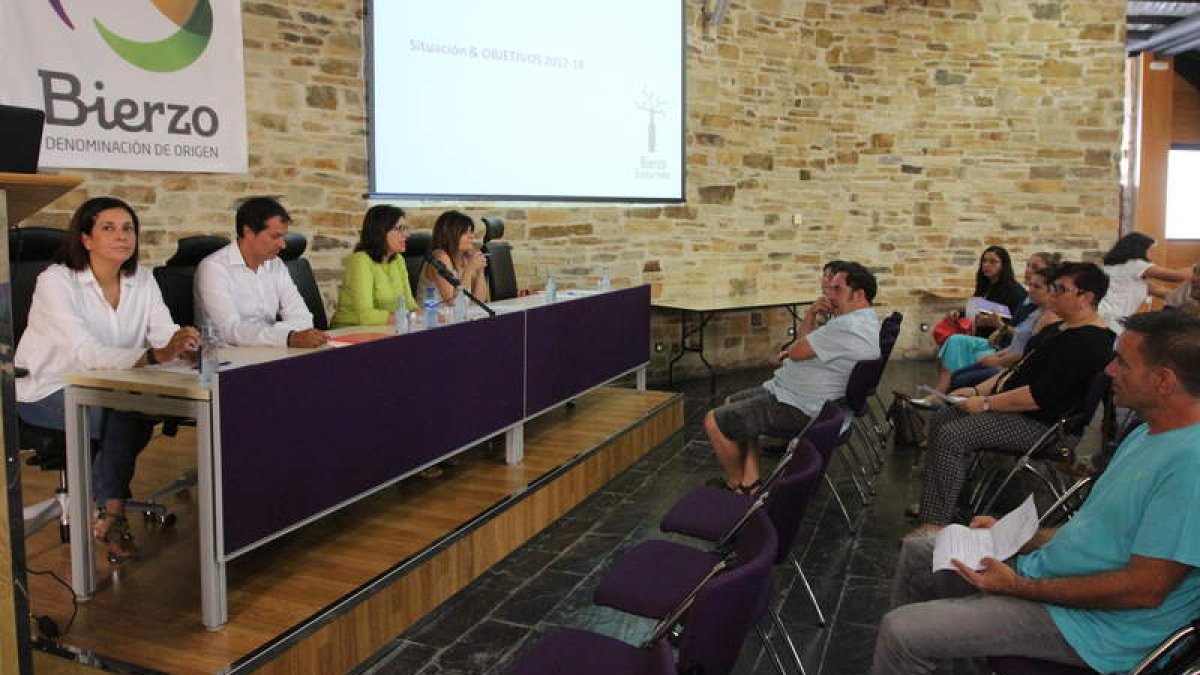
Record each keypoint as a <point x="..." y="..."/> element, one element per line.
<point x="1114" y="581"/>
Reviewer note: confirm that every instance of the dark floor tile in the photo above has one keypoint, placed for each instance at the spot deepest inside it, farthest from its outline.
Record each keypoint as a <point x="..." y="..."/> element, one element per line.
<point x="524" y="563"/>
<point x="561" y="534"/>
<point x="875" y="558"/>
<point x="864" y="600"/>
<point x="481" y="648"/>
<point x="851" y="647"/>
<point x="586" y="554"/>
<point x="406" y="659"/>
<point x="533" y="601"/>
<point x="458" y="615"/>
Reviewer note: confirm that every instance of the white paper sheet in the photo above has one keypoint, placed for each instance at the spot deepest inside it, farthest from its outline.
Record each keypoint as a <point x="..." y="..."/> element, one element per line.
<point x="1000" y="541"/>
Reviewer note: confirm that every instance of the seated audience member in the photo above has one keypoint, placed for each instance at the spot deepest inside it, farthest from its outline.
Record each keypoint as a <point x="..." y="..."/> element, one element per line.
<point x="1129" y="273"/>
<point x="996" y="281"/>
<point x="828" y="272"/>
<point x="985" y="355"/>
<point x="245" y="289"/>
<point x="95" y="308"/>
<point x="813" y="370"/>
<point x="453" y="245"/>
<point x="1115" y="580"/>
<point x="1011" y="410"/>
<point x="376" y="279"/>
<point x="1186" y="297"/>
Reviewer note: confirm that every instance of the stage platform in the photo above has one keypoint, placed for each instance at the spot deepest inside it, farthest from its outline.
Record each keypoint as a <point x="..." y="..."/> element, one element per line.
<point x="327" y="597"/>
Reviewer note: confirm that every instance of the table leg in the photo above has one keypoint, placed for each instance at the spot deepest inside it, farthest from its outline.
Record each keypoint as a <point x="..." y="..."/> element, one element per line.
<point x="79" y="495"/>
<point x="214" y="608"/>
<point x="701" y="321"/>
<point x="795" y="326"/>
<point x="514" y="444"/>
<point x="682" y="348"/>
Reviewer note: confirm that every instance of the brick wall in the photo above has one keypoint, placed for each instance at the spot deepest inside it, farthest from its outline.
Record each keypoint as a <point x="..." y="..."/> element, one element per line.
<point x="906" y="134"/>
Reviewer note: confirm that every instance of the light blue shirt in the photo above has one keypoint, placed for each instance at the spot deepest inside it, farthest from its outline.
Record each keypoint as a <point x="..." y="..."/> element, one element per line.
<point x="1147" y="503"/>
<point x="839" y="344"/>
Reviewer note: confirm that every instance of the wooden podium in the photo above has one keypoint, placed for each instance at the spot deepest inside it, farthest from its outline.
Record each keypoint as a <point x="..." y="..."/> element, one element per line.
<point x="21" y="195"/>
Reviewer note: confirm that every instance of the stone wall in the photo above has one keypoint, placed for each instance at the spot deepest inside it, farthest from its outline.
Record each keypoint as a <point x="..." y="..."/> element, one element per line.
<point x="906" y="134"/>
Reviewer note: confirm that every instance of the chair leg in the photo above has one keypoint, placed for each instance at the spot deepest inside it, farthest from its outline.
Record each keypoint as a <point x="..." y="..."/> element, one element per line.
<point x="849" y="467"/>
<point x="841" y="505"/>
<point x="1066" y="497"/>
<point x="1019" y="466"/>
<point x="787" y="639"/>
<point x="770" y="650"/>
<point x="812" y="597"/>
<point x="888" y="428"/>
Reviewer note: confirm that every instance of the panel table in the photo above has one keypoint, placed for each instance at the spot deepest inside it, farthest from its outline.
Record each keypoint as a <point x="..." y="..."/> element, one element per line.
<point x="286" y="436"/>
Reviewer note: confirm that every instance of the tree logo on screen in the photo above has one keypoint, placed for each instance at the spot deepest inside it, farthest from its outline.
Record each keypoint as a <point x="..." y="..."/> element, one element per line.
<point x="174" y="52"/>
<point x="654" y="106"/>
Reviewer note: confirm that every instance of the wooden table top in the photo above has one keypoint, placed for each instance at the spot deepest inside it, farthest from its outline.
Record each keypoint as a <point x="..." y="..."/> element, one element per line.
<point x="727" y="304"/>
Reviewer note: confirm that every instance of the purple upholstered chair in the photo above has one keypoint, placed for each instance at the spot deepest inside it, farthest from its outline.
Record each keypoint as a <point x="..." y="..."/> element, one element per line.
<point x="889" y="332"/>
<point x="718" y="611"/>
<point x="864" y="379"/>
<point x="653" y="576"/>
<point x="827" y="436"/>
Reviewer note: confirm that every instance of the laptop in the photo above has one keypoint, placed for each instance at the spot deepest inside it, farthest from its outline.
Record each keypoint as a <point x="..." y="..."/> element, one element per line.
<point x="20" y="138"/>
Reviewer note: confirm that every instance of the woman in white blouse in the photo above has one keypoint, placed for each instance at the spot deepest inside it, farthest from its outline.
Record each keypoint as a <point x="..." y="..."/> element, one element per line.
<point x="1129" y="273"/>
<point x="96" y="309"/>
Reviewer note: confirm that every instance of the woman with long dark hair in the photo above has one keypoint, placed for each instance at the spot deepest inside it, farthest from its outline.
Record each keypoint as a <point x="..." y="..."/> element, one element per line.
<point x="1129" y="272"/>
<point x="453" y="245"/>
<point x="375" y="283"/>
<point x="996" y="281"/>
<point x="95" y="308"/>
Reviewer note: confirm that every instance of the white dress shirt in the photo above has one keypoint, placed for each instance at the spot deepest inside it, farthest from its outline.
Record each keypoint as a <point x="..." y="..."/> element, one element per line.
<point x="244" y="303"/>
<point x="73" y="328"/>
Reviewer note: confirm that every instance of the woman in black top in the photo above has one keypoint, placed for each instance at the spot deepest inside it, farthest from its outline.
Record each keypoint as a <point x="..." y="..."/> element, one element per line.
<point x="995" y="281"/>
<point x="1011" y="410"/>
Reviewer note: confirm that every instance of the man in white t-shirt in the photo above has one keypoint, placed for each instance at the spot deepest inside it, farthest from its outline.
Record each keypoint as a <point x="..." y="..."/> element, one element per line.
<point x="245" y="289"/>
<point x="814" y="369"/>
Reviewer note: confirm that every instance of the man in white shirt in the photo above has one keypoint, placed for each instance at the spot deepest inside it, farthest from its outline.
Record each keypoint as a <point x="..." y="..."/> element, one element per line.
<point x="814" y="369"/>
<point x="245" y="289"/>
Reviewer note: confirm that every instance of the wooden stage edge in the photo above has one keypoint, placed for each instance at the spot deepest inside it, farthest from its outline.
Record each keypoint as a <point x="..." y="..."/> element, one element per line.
<point x="581" y="451"/>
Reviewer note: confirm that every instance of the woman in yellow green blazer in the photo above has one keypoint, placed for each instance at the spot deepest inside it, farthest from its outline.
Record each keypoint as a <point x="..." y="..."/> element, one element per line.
<point x="376" y="276"/>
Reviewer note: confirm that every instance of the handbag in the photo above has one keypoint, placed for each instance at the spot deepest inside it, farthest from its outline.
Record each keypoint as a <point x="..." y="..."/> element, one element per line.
<point x="907" y="423"/>
<point x="945" y="328"/>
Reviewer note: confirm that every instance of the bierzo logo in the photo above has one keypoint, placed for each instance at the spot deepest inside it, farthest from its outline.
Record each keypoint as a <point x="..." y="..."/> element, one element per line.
<point x="173" y="53"/>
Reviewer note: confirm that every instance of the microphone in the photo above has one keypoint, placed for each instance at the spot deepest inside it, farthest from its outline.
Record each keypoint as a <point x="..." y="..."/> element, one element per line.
<point x="442" y="271"/>
<point x="445" y="273"/>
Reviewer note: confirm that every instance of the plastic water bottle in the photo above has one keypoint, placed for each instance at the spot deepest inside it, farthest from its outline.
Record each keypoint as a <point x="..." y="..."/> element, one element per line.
<point x="431" y="307"/>
<point x="605" y="281"/>
<point x="551" y="291"/>
<point x="400" y="317"/>
<point x="461" y="305"/>
<point x="209" y="357"/>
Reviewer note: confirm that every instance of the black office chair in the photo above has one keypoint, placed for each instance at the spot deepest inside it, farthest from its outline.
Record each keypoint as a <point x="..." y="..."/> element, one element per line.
<point x="501" y="275"/>
<point x="30" y="251"/>
<point x="302" y="275"/>
<point x="416" y="247"/>
<point x="176" y="277"/>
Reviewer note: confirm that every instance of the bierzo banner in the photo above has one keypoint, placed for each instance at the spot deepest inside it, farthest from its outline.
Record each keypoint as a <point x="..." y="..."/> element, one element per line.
<point x="145" y="85"/>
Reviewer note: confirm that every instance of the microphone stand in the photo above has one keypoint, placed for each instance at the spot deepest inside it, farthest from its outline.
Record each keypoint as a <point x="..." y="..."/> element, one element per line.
<point x="454" y="281"/>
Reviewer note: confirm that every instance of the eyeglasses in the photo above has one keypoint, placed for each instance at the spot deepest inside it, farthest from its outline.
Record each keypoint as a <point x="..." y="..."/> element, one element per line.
<point x="1058" y="289"/>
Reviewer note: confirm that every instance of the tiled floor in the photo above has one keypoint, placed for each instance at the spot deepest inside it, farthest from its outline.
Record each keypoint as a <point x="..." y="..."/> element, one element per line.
<point x="549" y="582"/>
